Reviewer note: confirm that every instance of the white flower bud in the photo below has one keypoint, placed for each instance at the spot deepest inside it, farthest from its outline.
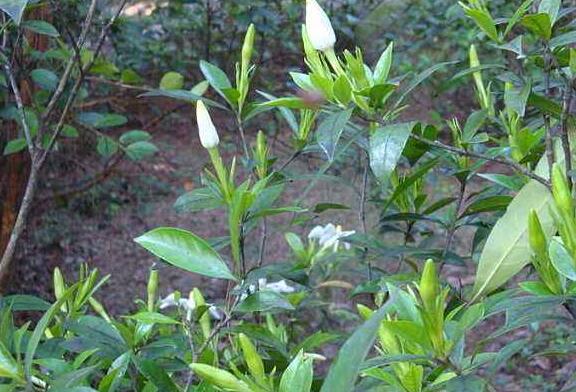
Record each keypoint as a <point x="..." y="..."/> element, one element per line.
<point x="206" y="129"/>
<point x="320" y="31"/>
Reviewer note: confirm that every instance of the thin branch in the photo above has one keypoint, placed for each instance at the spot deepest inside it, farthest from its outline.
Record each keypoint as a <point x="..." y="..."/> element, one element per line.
<point x="503" y="161"/>
<point x="70" y="65"/>
<point x="76" y="87"/>
<point x="452" y="229"/>
<point x="20" y="105"/>
<point x="566" y="105"/>
<point x="362" y="209"/>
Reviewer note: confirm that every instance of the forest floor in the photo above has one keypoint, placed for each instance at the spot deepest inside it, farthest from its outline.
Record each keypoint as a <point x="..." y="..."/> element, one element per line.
<point x="98" y="227"/>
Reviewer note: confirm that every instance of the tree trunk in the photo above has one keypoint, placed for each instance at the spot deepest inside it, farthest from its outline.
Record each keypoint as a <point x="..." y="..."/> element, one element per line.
<point x="15" y="168"/>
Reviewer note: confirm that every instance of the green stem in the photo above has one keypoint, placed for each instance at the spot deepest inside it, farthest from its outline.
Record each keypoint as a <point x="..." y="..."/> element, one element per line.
<point x="334" y="62"/>
<point x="220" y="173"/>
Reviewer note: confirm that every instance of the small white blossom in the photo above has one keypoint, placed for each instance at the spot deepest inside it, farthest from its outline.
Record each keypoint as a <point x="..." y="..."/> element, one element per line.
<point x="330" y="236"/>
<point x="168" y="301"/>
<point x="216" y="313"/>
<point x="320" y="31"/>
<point x="280" y="287"/>
<point x="206" y="129"/>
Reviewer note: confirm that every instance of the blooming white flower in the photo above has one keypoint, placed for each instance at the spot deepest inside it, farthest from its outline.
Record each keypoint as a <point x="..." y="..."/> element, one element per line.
<point x="206" y="129"/>
<point x="330" y="236"/>
<point x="320" y="31"/>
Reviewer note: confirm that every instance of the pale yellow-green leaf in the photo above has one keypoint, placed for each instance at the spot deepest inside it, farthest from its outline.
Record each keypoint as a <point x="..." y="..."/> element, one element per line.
<point x="507" y="250"/>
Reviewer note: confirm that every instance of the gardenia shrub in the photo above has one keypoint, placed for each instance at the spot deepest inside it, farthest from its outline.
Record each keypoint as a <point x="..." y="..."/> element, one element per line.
<point x="509" y="166"/>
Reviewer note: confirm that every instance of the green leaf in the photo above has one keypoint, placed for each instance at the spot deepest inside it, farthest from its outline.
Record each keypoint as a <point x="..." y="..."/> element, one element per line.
<point x="386" y="146"/>
<point x="563" y="39"/>
<point x="298" y="376"/>
<point x="44" y="78"/>
<point x="153" y="318"/>
<point x="41" y="27"/>
<point x="156" y="374"/>
<point x="202" y="199"/>
<point x="562" y="260"/>
<point x="507" y="250"/>
<point x="285" y="102"/>
<point x="8" y="366"/>
<point x="347" y="365"/>
<point x="140" y="150"/>
<point x="44" y="322"/>
<point x="342" y="90"/>
<point x="467" y="383"/>
<point x="382" y="69"/>
<point x="134" y="136"/>
<point x="539" y="24"/>
<point x="182" y="95"/>
<point x="264" y="301"/>
<point x="106" y="146"/>
<point x="330" y="130"/>
<point x="14" y="9"/>
<point x="520" y="11"/>
<point x="101" y="120"/>
<point x="535" y="288"/>
<point x="185" y="250"/>
<point x="487" y="204"/>
<point x="484" y="20"/>
<point x="172" y="81"/>
<point x="550" y="7"/>
<point x="322" y="207"/>
<point x="22" y="302"/>
<point x="219" y="81"/>
<point x="14" y="146"/>
<point x="69" y="131"/>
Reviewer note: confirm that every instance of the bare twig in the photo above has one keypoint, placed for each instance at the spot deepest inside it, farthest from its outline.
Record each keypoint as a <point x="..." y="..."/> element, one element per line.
<point x="566" y="105"/>
<point x="452" y="229"/>
<point x="503" y="161"/>
<point x="362" y="209"/>
<point x="20" y="105"/>
<point x="70" y="65"/>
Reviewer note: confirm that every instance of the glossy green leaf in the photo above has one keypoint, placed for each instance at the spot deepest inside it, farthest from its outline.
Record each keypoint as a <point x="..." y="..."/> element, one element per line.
<point x="484" y="20"/>
<point x="153" y="318"/>
<point x="298" y="376"/>
<point x="382" y="69"/>
<point x="330" y="130"/>
<point x="44" y="322"/>
<point x="140" y="150"/>
<point x="539" y="24"/>
<point x="550" y="7"/>
<point x="14" y="9"/>
<point x="106" y="146"/>
<point x="347" y="365"/>
<point x="507" y="249"/>
<point x="41" y="27"/>
<point x="386" y="146"/>
<point x="263" y="301"/>
<point x="562" y="260"/>
<point x="172" y="81"/>
<point x="185" y="250"/>
<point x="134" y="136"/>
<point x="8" y="366"/>
<point x="156" y="374"/>
<point x="15" y="145"/>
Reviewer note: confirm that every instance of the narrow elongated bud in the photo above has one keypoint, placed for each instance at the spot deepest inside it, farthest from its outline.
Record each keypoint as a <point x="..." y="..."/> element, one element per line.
<point x="320" y="31"/>
<point x="248" y="47"/>
<point x="152" y="289"/>
<point x="536" y="234"/>
<point x="220" y="378"/>
<point x="561" y="190"/>
<point x="251" y="356"/>
<point x="429" y="286"/>
<point x="59" y="285"/>
<point x="206" y="129"/>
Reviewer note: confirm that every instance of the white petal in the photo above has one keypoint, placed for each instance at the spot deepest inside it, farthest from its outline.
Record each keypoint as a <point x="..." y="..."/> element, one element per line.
<point x="320" y="31"/>
<point x="206" y="129"/>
